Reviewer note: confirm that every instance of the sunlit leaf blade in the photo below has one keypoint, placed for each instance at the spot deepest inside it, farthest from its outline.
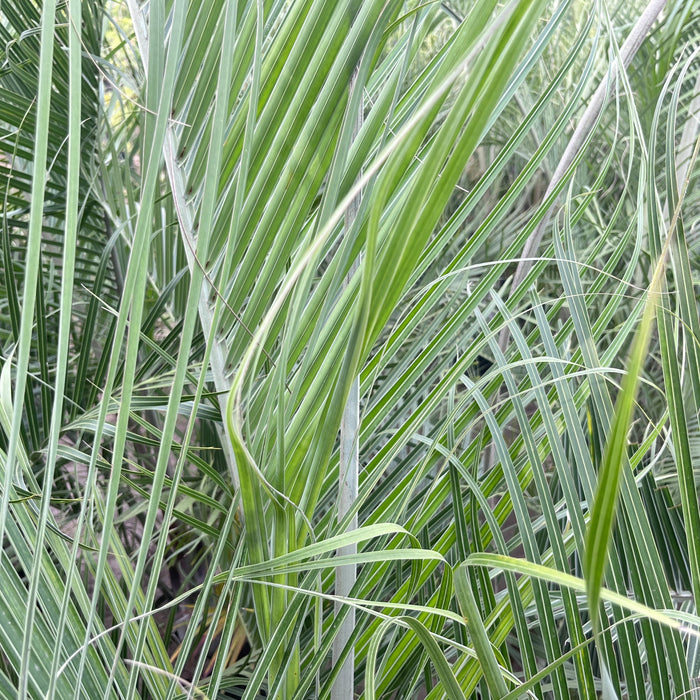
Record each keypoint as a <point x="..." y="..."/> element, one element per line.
<point x="615" y="456"/>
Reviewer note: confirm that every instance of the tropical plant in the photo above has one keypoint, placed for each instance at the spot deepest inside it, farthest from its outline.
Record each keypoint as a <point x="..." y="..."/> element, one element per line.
<point x="349" y="348"/>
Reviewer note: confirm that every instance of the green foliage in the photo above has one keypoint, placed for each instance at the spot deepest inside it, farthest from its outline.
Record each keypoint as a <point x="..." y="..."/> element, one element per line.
<point x="186" y="306"/>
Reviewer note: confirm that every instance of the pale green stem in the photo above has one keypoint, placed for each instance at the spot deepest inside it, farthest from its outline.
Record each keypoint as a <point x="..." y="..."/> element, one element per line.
<point x="627" y="53"/>
<point x="349" y="468"/>
<point x="185" y="217"/>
